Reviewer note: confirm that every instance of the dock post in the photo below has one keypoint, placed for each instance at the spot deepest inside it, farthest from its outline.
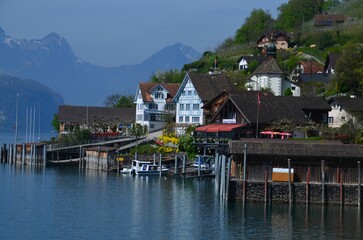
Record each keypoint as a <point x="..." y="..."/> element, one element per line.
<point x="359" y="184"/>
<point x="31" y="154"/>
<point x="10" y="153"/>
<point x="341" y="197"/>
<point x="45" y="155"/>
<point x="98" y="158"/>
<point x="244" y="172"/>
<point x="154" y="158"/>
<point x="23" y="154"/>
<point x="228" y="177"/>
<point x="323" y="182"/>
<point x="176" y="164"/>
<point x="160" y="166"/>
<point x="80" y="154"/>
<point x="223" y="175"/>
<point x="307" y="186"/>
<point x="216" y="170"/>
<point x="199" y="163"/>
<point x="290" y="189"/>
<point x="184" y="164"/>
<point x="266" y="186"/>
<point x="35" y="156"/>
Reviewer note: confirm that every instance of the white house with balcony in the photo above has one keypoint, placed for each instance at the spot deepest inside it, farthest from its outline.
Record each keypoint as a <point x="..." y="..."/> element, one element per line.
<point x="154" y="104"/>
<point x="195" y="91"/>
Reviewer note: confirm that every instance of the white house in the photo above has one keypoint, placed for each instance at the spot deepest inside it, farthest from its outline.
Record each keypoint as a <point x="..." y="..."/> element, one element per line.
<point x="245" y="61"/>
<point x="154" y="103"/>
<point x="344" y="109"/>
<point x="269" y="76"/>
<point x="195" y="91"/>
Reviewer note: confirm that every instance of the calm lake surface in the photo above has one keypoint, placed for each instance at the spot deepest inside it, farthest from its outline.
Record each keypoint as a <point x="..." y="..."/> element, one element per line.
<point x="68" y="203"/>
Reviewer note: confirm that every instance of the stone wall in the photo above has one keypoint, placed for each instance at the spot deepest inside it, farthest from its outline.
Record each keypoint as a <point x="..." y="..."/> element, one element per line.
<point x="279" y="192"/>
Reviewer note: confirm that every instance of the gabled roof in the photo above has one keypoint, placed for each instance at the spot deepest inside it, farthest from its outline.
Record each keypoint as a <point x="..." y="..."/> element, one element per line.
<point x="275" y="35"/>
<point x="207" y="86"/>
<point x="273" y="108"/>
<point x="312" y="67"/>
<point x="349" y="104"/>
<point x="314" y="77"/>
<point x="328" y="19"/>
<point x="82" y="114"/>
<point x="331" y="61"/>
<point x="147" y="88"/>
<point x="269" y="66"/>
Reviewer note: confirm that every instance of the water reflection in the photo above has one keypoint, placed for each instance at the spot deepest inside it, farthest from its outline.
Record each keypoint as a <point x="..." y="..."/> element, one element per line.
<point x="85" y="204"/>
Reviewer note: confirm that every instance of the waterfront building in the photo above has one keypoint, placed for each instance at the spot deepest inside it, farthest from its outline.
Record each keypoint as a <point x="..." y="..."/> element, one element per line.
<point x="154" y="104"/>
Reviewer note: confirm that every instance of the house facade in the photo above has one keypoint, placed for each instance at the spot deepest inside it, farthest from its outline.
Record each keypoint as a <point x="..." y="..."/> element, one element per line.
<point x="280" y="39"/>
<point x="195" y="91"/>
<point x="154" y="104"/>
<point x="344" y="109"/>
<point x="244" y="62"/>
<point x="269" y="76"/>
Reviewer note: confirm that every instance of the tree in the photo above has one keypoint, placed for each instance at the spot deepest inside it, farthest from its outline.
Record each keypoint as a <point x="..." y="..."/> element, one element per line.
<point x="349" y="70"/>
<point x="254" y="26"/>
<point x="170" y="76"/>
<point x="56" y="123"/>
<point x="119" y="101"/>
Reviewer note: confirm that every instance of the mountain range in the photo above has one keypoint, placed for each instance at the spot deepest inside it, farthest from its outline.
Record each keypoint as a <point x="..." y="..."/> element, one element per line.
<point x="51" y="61"/>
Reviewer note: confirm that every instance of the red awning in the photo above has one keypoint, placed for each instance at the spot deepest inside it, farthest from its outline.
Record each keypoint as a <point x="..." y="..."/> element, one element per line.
<point x="219" y="127"/>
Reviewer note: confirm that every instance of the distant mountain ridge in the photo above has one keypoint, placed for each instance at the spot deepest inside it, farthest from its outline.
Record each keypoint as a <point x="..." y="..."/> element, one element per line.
<point x="31" y="94"/>
<point x="52" y="62"/>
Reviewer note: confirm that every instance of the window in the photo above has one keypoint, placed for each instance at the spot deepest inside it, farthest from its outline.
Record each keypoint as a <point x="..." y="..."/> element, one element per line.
<point x="293" y="88"/>
<point x="330" y="120"/>
<point x="195" y="106"/>
<point x="181" y="107"/>
<point x="153" y="106"/>
<point x="187" y="106"/>
<point x="187" y="119"/>
<point x="180" y="119"/>
<point x="139" y="117"/>
<point x="195" y="119"/>
<point x="169" y="106"/>
<point x="189" y="93"/>
<point x="159" y="95"/>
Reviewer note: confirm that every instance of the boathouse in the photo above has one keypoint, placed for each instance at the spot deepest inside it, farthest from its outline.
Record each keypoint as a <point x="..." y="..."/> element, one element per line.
<point x="101" y="158"/>
<point x="320" y="171"/>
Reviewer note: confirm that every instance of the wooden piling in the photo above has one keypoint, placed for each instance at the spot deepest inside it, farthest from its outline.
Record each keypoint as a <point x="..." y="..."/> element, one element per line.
<point x="228" y="177"/>
<point x="266" y="186"/>
<point x="23" y="154"/>
<point x="184" y="164"/>
<point x="341" y="197"/>
<point x="199" y="163"/>
<point x="160" y="166"/>
<point x="176" y="164"/>
<point x="45" y="155"/>
<point x="359" y="184"/>
<point x="307" y="186"/>
<point x="290" y="188"/>
<point x="223" y="177"/>
<point x="98" y="158"/>
<point x="323" y="182"/>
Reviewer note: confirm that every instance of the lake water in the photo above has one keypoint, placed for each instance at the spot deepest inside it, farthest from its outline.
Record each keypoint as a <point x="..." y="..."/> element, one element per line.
<point x="68" y="203"/>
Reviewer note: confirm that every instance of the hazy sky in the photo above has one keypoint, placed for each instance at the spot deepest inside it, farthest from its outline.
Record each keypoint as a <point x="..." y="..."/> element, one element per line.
<point x="117" y="32"/>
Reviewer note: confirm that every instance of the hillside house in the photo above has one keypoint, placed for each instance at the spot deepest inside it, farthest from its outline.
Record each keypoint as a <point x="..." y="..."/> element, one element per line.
<point x="154" y="104"/>
<point x="344" y="109"/>
<point x="327" y="20"/>
<point x="269" y="76"/>
<point x="280" y="39"/>
<point x="195" y="91"/>
<point x="306" y="67"/>
<point x="244" y="61"/>
<point x="330" y="62"/>
<point x="259" y="110"/>
<point x="97" y="119"/>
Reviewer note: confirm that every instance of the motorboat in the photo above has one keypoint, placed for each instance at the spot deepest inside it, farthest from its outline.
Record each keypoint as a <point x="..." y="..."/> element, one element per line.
<point x="205" y="162"/>
<point x="146" y="168"/>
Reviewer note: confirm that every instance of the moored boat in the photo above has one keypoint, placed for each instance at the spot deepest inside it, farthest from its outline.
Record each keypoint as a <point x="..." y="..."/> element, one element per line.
<point x="146" y="168"/>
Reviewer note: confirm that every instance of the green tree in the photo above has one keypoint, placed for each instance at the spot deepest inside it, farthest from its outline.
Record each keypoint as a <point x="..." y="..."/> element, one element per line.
<point x="56" y="123"/>
<point x="288" y="92"/>
<point x="253" y="27"/>
<point x="170" y="76"/>
<point x="119" y="101"/>
<point x="349" y="70"/>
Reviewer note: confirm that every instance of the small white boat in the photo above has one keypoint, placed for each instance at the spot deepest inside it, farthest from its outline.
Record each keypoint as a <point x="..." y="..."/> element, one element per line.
<point x="146" y="168"/>
<point x="125" y="170"/>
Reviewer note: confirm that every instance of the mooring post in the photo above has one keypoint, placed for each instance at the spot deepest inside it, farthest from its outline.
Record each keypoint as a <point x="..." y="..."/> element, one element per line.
<point x="199" y="163"/>
<point x="154" y="158"/>
<point x="106" y="163"/>
<point x="223" y="177"/>
<point x="341" y="188"/>
<point x="290" y="189"/>
<point x="45" y="155"/>
<point x="176" y="164"/>
<point x="359" y="183"/>
<point x="98" y="158"/>
<point x="216" y="170"/>
<point x="80" y="154"/>
<point x="10" y="153"/>
<point x="184" y="164"/>
<point x="323" y="182"/>
<point x="160" y="166"/>
<point x="266" y="186"/>
<point x="307" y="186"/>
<point x="23" y="154"/>
<point x="229" y="160"/>
<point x="35" y="155"/>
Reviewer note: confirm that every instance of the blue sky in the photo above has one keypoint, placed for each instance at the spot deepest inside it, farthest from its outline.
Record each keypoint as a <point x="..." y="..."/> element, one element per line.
<point x="118" y="32"/>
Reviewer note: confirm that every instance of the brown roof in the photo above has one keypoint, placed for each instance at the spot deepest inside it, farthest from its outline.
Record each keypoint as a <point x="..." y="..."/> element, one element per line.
<point x="352" y="105"/>
<point x="312" y="67"/>
<point x="209" y="86"/>
<point x="82" y="114"/>
<point x="146" y="89"/>
<point x="311" y="149"/>
<point x="269" y="66"/>
<point x="328" y="19"/>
